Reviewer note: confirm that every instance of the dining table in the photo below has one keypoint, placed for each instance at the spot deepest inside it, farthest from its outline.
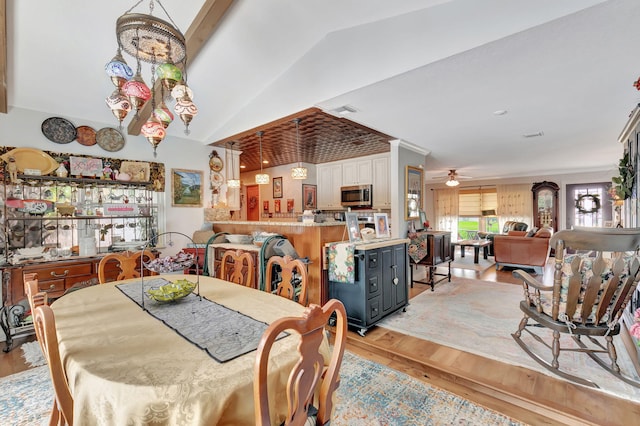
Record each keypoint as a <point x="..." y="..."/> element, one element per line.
<point x="128" y="365"/>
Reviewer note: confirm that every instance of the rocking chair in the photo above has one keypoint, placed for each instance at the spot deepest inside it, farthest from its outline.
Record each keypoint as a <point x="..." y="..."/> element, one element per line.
<point x="591" y="288"/>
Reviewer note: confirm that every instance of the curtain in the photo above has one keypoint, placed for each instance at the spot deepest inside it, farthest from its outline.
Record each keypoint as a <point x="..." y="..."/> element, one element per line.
<point x="446" y="210"/>
<point x="515" y="202"/>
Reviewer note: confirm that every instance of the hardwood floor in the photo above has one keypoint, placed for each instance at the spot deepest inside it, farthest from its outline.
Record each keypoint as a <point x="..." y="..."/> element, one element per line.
<point x="523" y="394"/>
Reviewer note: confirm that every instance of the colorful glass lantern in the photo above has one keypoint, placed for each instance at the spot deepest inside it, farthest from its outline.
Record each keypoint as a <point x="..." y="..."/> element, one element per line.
<point x="137" y="91"/>
<point x="180" y="90"/>
<point x="155" y="133"/>
<point x="169" y="75"/>
<point x="163" y="114"/>
<point x="119" y="105"/>
<point x="118" y="70"/>
<point x="186" y="110"/>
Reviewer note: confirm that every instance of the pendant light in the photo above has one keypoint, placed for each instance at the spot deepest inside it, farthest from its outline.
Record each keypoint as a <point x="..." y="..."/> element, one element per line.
<point x="298" y="172"/>
<point x="261" y="178"/>
<point x="233" y="183"/>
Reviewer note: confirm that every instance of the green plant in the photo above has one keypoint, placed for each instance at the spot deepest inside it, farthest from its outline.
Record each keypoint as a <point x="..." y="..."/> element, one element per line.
<point x="623" y="184"/>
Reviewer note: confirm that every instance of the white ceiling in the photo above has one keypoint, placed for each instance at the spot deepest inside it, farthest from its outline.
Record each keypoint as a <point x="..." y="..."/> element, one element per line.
<point x="428" y="72"/>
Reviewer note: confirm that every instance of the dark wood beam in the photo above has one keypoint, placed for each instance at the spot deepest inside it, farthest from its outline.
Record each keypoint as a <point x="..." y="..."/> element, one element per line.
<point x="4" y="105"/>
<point x="200" y="30"/>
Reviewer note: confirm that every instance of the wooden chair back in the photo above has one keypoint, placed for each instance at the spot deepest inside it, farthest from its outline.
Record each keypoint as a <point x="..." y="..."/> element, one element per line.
<point x="45" y="324"/>
<point x="310" y="370"/>
<point x="127" y="261"/>
<point x="35" y="297"/>
<point x="293" y="278"/>
<point x="237" y="266"/>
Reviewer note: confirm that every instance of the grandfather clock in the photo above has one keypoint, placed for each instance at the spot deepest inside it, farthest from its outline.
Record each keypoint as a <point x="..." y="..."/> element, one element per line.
<point x="545" y="204"/>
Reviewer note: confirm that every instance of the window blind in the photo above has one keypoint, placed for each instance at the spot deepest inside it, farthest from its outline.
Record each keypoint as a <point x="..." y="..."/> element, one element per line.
<point x="473" y="201"/>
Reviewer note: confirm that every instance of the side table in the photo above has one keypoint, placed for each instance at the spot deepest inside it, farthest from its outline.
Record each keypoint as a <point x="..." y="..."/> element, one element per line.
<point x="431" y="249"/>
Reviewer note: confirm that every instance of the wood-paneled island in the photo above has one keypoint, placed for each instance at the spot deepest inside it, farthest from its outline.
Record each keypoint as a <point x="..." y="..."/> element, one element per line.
<point x="307" y="238"/>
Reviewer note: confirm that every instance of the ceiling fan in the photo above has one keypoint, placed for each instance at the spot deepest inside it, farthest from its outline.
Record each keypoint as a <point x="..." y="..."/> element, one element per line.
<point x="452" y="178"/>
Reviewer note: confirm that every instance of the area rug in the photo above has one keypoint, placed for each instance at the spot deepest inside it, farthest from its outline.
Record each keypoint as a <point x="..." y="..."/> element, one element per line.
<point x="467" y="262"/>
<point x="369" y="394"/>
<point x="479" y="316"/>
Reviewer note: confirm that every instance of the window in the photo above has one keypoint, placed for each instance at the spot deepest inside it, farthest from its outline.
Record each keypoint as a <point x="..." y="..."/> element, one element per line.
<point x="477" y="212"/>
<point x="588" y="193"/>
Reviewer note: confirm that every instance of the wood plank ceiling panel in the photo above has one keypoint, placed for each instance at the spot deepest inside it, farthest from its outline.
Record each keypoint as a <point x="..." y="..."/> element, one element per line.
<point x="323" y="138"/>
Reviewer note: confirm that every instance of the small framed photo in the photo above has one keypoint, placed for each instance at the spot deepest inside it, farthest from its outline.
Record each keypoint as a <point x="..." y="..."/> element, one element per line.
<point x="309" y="197"/>
<point x="353" y="228"/>
<point x="289" y="205"/>
<point x="608" y="224"/>
<point x="382" y="225"/>
<point x="276" y="206"/>
<point x="277" y="187"/>
<point x="265" y="206"/>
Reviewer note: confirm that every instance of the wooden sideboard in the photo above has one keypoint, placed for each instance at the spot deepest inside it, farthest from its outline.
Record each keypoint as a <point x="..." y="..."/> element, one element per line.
<point x="431" y="249"/>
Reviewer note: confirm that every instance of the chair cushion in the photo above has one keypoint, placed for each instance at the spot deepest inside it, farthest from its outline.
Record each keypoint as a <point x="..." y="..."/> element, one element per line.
<point x="586" y="273"/>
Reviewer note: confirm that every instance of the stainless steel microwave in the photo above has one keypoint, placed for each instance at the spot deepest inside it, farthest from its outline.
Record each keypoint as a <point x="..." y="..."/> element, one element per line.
<point x="356" y="196"/>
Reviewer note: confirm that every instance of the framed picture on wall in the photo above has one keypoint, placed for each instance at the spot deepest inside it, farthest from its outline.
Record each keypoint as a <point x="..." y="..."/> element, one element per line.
<point x="413" y="194"/>
<point x="186" y="188"/>
<point x="277" y="187"/>
<point x="276" y="206"/>
<point x="309" y="196"/>
<point x="290" y="205"/>
<point x="265" y="206"/>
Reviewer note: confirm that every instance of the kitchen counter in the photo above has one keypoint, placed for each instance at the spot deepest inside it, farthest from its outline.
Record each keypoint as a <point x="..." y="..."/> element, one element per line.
<point x="279" y="223"/>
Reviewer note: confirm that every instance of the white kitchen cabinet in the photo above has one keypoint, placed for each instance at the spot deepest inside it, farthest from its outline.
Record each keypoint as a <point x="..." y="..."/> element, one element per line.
<point x="381" y="186"/>
<point x="329" y="182"/>
<point x="356" y="172"/>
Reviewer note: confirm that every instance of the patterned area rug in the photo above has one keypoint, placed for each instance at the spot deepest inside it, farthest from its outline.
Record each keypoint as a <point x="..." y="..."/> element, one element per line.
<point x="369" y="394"/>
<point x="479" y="316"/>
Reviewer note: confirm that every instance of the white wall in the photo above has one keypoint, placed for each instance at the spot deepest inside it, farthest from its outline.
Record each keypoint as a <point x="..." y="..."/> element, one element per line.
<point x="22" y="128"/>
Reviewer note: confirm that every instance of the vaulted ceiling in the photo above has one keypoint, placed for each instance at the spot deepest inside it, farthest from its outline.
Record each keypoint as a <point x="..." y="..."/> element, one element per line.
<point x="433" y="73"/>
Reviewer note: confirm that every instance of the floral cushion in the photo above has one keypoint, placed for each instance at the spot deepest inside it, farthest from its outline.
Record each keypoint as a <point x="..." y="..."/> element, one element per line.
<point x="586" y="266"/>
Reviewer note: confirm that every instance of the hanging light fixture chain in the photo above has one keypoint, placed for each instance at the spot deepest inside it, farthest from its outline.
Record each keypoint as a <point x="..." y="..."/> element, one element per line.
<point x="133" y="7"/>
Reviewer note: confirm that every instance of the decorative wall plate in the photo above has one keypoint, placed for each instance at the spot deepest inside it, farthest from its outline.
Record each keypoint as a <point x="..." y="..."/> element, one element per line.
<point x="216" y="179"/>
<point x="215" y="163"/>
<point x="110" y="139"/>
<point x="31" y="158"/>
<point x="59" y="130"/>
<point x="86" y="135"/>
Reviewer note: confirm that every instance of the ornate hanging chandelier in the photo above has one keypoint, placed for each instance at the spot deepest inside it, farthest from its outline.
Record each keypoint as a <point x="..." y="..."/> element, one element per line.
<point x="160" y="43"/>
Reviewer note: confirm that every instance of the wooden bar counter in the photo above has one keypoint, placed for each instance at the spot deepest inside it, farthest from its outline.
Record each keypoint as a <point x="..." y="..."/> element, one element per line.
<point x="308" y="240"/>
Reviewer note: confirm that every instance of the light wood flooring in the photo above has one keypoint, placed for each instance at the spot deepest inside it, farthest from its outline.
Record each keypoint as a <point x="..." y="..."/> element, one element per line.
<point x="523" y="394"/>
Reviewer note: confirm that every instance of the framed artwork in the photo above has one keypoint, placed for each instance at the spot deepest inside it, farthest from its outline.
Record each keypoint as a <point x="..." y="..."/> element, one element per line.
<point x="276" y="206"/>
<point x="353" y="228"/>
<point x="381" y="222"/>
<point x="413" y="186"/>
<point x="290" y="205"/>
<point x="309" y="196"/>
<point x="265" y="206"/>
<point x="186" y="188"/>
<point x="277" y="187"/>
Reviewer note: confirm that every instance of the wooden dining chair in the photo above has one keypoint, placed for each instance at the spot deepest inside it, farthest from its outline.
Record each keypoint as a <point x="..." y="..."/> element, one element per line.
<point x="237" y="267"/>
<point x="45" y="325"/>
<point x="127" y="261"/>
<point x="35" y="297"/>
<point x="305" y="399"/>
<point x="292" y="278"/>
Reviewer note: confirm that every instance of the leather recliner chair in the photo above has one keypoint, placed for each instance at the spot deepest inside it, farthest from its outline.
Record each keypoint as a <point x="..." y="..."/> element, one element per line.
<point x="510" y="225"/>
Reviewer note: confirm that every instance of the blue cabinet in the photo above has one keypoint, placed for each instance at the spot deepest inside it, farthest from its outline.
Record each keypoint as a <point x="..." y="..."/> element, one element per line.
<point x="380" y="287"/>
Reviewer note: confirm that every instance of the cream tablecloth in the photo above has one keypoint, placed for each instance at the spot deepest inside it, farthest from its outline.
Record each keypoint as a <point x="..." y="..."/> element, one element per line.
<point x="127" y="368"/>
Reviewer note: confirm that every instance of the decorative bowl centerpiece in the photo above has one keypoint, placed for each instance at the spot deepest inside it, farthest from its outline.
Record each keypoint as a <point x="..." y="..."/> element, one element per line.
<point x="260" y="237"/>
<point x="172" y="291"/>
<point x="177" y="263"/>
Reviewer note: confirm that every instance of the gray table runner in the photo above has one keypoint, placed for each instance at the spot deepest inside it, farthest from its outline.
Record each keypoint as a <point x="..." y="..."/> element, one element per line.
<point x="223" y="333"/>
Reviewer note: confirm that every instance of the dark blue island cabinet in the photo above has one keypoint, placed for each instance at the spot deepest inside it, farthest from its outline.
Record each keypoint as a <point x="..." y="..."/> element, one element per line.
<point x="380" y="287"/>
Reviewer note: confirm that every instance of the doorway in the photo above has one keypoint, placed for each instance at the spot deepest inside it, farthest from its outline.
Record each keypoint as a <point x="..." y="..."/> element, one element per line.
<point x="253" y="202"/>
